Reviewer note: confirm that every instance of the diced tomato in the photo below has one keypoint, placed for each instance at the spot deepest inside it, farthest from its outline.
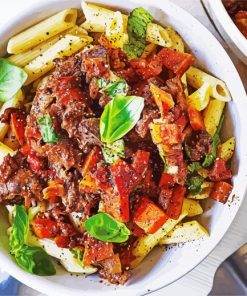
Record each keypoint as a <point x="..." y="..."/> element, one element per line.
<point x="35" y="163"/>
<point x="44" y="228"/>
<point x="166" y="180"/>
<point x="96" y="251"/>
<point x="221" y="191"/>
<point x="126" y="255"/>
<point x="175" y="61"/>
<point x="55" y="188"/>
<point x="137" y="231"/>
<point x="25" y="150"/>
<point x="149" y="216"/>
<point x="140" y="162"/>
<point x="88" y="183"/>
<point x="174" y="205"/>
<point x="18" y="123"/>
<point x="125" y="179"/>
<point x="182" y="121"/>
<point x="219" y="171"/>
<point x="171" y="134"/>
<point x="128" y="74"/>
<point x="163" y="99"/>
<point x="112" y="265"/>
<point x="62" y="241"/>
<point x="196" y="119"/>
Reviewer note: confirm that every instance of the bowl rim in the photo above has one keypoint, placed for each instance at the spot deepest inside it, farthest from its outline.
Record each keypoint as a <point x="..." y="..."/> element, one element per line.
<point x="39" y="283"/>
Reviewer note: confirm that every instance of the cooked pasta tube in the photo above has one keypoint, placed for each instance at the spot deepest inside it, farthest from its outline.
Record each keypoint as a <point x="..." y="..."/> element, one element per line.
<point x="150" y="48"/>
<point x="200" y="98"/>
<point x="42" y="31"/>
<point x="4" y="150"/>
<point x="12" y="103"/>
<point x="226" y="149"/>
<point x="185" y="232"/>
<point x="197" y="78"/>
<point x="97" y="17"/>
<point x="158" y="35"/>
<point x="23" y="58"/>
<point x="212" y="115"/>
<point x="64" y="47"/>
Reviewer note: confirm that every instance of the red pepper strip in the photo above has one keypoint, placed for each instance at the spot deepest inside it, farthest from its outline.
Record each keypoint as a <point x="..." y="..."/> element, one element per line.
<point x="221" y="191"/>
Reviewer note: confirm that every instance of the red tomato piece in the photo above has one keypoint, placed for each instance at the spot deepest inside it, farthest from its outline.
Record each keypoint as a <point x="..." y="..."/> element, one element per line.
<point x="18" y="123"/>
<point x="219" y="171"/>
<point x="166" y="180"/>
<point x="128" y="74"/>
<point x="35" y="163"/>
<point x="171" y="134"/>
<point x="140" y="162"/>
<point x="62" y="241"/>
<point x="175" y="61"/>
<point x="221" y="191"/>
<point x="182" y="121"/>
<point x="96" y="251"/>
<point x="196" y="119"/>
<point x="175" y="203"/>
<point x="44" y="228"/>
<point x="149" y="216"/>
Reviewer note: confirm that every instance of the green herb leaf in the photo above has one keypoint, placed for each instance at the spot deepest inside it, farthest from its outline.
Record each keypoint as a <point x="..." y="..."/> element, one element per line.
<point x="210" y="158"/>
<point x="19" y="230"/>
<point x="137" y="27"/>
<point x="105" y="228"/>
<point x="11" y="79"/>
<point x="117" y="88"/>
<point x="112" y="152"/>
<point x="35" y="260"/>
<point x="194" y="183"/>
<point x="194" y="167"/>
<point x="101" y="82"/>
<point x="119" y="117"/>
<point x="47" y="131"/>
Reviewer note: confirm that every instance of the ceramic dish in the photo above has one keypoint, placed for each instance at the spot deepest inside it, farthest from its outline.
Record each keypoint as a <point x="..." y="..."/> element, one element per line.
<point x="161" y="267"/>
<point x="229" y="31"/>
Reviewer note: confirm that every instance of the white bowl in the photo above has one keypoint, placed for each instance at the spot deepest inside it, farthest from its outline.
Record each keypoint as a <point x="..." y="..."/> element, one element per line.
<point x="229" y="31"/>
<point x="160" y="268"/>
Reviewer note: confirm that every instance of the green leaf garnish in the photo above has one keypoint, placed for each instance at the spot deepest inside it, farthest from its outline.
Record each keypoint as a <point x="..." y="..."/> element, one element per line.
<point x="137" y="27"/>
<point x="117" y="88"/>
<point x="194" y="183"/>
<point x="194" y="167"/>
<point x="46" y="128"/>
<point x="107" y="229"/>
<point x="111" y="152"/>
<point x="11" y="79"/>
<point x="119" y="117"/>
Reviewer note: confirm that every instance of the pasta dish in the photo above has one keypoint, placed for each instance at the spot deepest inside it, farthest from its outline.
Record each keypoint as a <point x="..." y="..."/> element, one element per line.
<point x="109" y="141"/>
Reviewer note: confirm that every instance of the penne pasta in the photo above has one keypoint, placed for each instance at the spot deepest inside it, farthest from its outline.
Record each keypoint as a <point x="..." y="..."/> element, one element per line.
<point x="12" y="103"/>
<point x="150" y="48"/>
<point x="97" y="17"/>
<point x="226" y="149"/>
<point x="42" y="31"/>
<point x="5" y="150"/>
<point x="212" y="115"/>
<point x="23" y="58"/>
<point x="115" y="31"/>
<point x="196" y="78"/>
<point x="158" y="35"/>
<point x="200" y="98"/>
<point x="192" y="207"/>
<point x="44" y="63"/>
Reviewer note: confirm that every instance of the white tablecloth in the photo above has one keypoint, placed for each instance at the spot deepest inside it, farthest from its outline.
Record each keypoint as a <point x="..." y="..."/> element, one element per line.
<point x="199" y="281"/>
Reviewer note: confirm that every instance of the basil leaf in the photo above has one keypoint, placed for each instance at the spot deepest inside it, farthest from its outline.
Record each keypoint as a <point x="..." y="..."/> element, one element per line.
<point x="101" y="82"/>
<point x="194" y="184"/>
<point x="119" y="117"/>
<point x="105" y="228"/>
<point x="111" y="152"/>
<point x="119" y="87"/>
<point x="19" y="230"/>
<point x="35" y="260"/>
<point x="11" y="79"/>
<point x="194" y="167"/>
<point x="46" y="128"/>
<point x="210" y="158"/>
<point x="137" y="27"/>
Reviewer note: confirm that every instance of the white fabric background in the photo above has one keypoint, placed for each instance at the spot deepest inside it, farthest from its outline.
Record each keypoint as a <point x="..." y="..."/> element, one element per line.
<point x="199" y="281"/>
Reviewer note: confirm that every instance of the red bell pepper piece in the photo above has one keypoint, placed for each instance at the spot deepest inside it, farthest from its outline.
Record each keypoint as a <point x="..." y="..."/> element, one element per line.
<point x="196" y="119"/>
<point x="175" y="203"/>
<point x="175" y="61"/>
<point x="96" y="251"/>
<point x="166" y="180"/>
<point x="44" y="228"/>
<point x="140" y="162"/>
<point x="219" y="171"/>
<point x="221" y="191"/>
<point x="62" y="241"/>
<point x="18" y="123"/>
<point x="149" y="216"/>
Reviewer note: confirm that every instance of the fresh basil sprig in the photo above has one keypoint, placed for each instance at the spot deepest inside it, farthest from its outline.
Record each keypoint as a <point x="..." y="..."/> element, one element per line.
<point x="194" y="183"/>
<point x="210" y="158"/>
<point x="31" y="259"/>
<point x="11" y="79"/>
<point x="47" y="130"/>
<point x="105" y="228"/>
<point x="119" y="117"/>
<point x="111" y="152"/>
<point x="117" y="88"/>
